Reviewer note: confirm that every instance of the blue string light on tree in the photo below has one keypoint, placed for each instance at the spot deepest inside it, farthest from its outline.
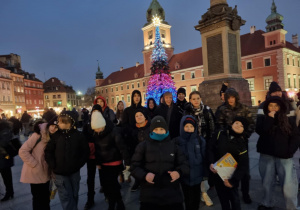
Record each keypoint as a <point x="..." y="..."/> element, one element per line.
<point x="160" y="79"/>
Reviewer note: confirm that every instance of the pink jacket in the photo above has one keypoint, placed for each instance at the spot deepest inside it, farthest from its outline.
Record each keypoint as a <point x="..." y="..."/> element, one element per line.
<point x="35" y="168"/>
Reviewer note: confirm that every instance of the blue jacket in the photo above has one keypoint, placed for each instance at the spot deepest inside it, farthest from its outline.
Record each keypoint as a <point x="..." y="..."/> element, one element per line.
<point x="193" y="148"/>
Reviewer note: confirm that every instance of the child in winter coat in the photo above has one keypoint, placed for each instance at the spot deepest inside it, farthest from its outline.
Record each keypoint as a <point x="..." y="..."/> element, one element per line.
<point x="66" y="152"/>
<point x="194" y="148"/>
<point x="158" y="163"/>
<point x="231" y="141"/>
<point x="35" y="169"/>
<point x="110" y="151"/>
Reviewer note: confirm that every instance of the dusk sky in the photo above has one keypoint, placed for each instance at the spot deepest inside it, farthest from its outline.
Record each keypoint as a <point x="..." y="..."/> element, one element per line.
<point x="65" y="38"/>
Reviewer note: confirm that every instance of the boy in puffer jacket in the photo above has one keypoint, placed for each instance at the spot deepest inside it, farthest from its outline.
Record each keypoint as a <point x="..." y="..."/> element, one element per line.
<point x="193" y="147"/>
<point x="158" y="163"/>
<point x="231" y="140"/>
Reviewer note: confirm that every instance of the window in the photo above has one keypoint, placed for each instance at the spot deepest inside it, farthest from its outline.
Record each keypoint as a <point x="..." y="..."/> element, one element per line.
<point x="117" y="99"/>
<point x="127" y="86"/>
<point x="8" y="86"/>
<point x="274" y="41"/>
<point x="271" y="42"/>
<point x="293" y="62"/>
<point x="144" y="84"/>
<point x="121" y="87"/>
<point x="192" y="75"/>
<point x="128" y="98"/>
<point x="182" y="76"/>
<point x="251" y="84"/>
<point x="22" y="89"/>
<point x="29" y="92"/>
<point x="26" y="101"/>
<point x="253" y="100"/>
<point x="289" y="80"/>
<point x="138" y="84"/>
<point x="3" y="98"/>
<point x="267" y="62"/>
<point x="107" y="100"/>
<point x="150" y="34"/>
<point x="112" y="100"/>
<point x="163" y="33"/>
<point x="267" y="82"/>
<point x="193" y="88"/>
<point x="34" y="101"/>
<point x="295" y="85"/>
<point x="132" y="85"/>
<point x="105" y="90"/>
<point x="54" y="96"/>
<point x="249" y="65"/>
<point x="30" y="102"/>
<point x="46" y="97"/>
<point x="287" y="61"/>
<point x="8" y="98"/>
<point x="102" y="91"/>
<point x="117" y="88"/>
<point x="122" y="97"/>
<point x="58" y="96"/>
<point x="16" y="99"/>
<point x="144" y="96"/>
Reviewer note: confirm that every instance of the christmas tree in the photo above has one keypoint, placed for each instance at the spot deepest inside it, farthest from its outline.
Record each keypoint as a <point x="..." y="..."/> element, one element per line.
<point x="160" y="79"/>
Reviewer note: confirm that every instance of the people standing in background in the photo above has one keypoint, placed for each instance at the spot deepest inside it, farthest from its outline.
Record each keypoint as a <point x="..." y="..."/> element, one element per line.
<point x="121" y="106"/>
<point x="171" y="113"/>
<point x="6" y="161"/>
<point x="222" y="96"/>
<point x="107" y="112"/>
<point x="25" y="121"/>
<point x="151" y="106"/>
<point x="181" y="101"/>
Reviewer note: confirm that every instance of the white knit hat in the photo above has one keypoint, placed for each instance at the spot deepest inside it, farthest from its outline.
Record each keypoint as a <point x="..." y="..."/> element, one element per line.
<point x="97" y="120"/>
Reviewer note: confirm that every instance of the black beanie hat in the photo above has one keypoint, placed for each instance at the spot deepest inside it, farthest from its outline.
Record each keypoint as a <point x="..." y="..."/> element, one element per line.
<point x="277" y="100"/>
<point x="243" y="120"/>
<point x="189" y="120"/>
<point x="158" y="122"/>
<point x="223" y="89"/>
<point x="274" y="87"/>
<point x="181" y="90"/>
<point x="97" y="107"/>
<point x="143" y="112"/>
<point x="53" y="121"/>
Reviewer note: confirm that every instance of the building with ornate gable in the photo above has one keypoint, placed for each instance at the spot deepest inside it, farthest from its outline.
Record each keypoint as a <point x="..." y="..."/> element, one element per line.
<point x="266" y="57"/>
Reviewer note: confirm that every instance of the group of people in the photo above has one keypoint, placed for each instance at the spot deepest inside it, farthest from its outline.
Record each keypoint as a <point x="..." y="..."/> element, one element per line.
<point x="168" y="148"/>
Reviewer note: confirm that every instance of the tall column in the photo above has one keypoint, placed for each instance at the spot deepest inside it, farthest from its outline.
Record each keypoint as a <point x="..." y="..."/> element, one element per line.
<point x="221" y="50"/>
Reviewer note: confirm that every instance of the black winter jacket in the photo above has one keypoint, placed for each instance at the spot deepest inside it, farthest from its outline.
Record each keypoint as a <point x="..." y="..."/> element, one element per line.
<point x="174" y="123"/>
<point x="159" y="157"/>
<point x="110" y="146"/>
<point x="276" y="143"/>
<point x="222" y="143"/>
<point x="139" y="135"/>
<point x="6" y="135"/>
<point x="66" y="152"/>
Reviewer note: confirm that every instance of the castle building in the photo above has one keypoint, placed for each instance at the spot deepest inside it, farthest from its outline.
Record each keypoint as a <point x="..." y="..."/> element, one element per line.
<point x="266" y="56"/>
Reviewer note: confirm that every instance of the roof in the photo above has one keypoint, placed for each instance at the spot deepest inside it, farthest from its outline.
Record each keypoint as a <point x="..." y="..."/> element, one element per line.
<point x="125" y="75"/>
<point x="56" y="86"/>
<point x="250" y="44"/>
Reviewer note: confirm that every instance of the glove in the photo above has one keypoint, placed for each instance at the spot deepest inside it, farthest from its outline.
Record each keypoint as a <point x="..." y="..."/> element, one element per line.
<point x="126" y="173"/>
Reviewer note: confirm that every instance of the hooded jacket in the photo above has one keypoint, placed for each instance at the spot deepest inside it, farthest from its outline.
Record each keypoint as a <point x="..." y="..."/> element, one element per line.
<point x="110" y="146"/>
<point x="175" y="117"/>
<point x="159" y="157"/>
<point x="128" y="119"/>
<point x="106" y="111"/>
<point x="67" y="151"/>
<point x="227" y="113"/>
<point x="181" y="105"/>
<point x="194" y="148"/>
<point x="226" y="141"/>
<point x="151" y="111"/>
<point x="35" y="169"/>
<point x="272" y="140"/>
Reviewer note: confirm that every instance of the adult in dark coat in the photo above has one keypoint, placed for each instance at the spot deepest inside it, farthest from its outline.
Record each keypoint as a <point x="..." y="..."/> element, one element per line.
<point x="170" y="112"/>
<point x="25" y="121"/>
<point x="158" y="163"/>
<point x="181" y="101"/>
<point x="6" y="162"/>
